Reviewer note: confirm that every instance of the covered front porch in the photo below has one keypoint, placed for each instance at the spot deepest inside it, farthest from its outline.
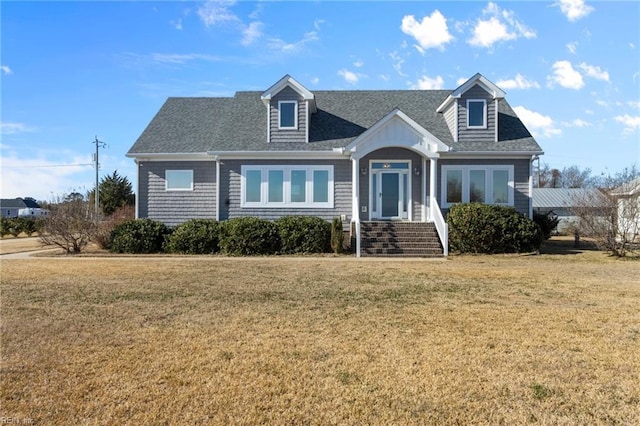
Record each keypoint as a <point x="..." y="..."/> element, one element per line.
<point x="394" y="179"/>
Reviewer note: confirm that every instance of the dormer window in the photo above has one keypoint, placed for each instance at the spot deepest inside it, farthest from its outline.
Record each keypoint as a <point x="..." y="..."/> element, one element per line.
<point x="477" y="114"/>
<point x="288" y="114"/>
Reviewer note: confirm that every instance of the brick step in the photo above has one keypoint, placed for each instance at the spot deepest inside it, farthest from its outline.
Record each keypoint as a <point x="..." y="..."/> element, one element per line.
<point x="401" y="253"/>
<point x="396" y="239"/>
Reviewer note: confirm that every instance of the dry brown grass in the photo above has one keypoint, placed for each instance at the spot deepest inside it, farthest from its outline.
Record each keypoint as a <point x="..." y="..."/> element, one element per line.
<point x="552" y="339"/>
<point x="10" y="245"/>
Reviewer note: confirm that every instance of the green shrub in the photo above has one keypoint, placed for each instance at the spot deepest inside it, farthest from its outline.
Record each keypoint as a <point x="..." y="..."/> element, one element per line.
<point x="337" y="235"/>
<point x="482" y="228"/>
<point x="547" y="222"/>
<point x="11" y="226"/>
<point x="195" y="236"/>
<point x="138" y="236"/>
<point x="246" y="236"/>
<point x="304" y="234"/>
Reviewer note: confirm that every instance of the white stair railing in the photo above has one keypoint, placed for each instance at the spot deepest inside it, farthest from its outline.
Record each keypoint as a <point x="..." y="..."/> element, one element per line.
<point x="441" y="226"/>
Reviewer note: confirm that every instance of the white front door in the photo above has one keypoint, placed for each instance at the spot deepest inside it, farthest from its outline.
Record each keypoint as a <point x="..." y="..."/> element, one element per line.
<point x="389" y="190"/>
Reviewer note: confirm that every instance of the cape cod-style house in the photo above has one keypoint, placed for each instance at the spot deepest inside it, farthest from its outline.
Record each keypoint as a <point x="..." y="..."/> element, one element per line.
<point x="390" y="163"/>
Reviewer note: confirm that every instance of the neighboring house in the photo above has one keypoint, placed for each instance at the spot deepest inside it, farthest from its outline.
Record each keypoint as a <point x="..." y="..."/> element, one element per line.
<point x="21" y="207"/>
<point x="563" y="202"/>
<point x="628" y="199"/>
<point x="366" y="156"/>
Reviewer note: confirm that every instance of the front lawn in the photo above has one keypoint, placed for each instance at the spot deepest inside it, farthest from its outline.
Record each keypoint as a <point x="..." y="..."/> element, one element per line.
<point x="548" y="339"/>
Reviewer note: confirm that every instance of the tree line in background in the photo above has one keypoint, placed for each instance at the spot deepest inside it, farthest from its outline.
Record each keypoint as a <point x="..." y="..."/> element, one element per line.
<point x="576" y="177"/>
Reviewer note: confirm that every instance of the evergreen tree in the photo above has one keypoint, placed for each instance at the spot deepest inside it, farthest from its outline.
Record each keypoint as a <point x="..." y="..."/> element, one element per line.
<point x="115" y="191"/>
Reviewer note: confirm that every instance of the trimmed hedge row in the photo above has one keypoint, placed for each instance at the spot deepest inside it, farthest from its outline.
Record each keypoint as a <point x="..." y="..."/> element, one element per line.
<point x="17" y="225"/>
<point x="483" y="228"/>
<point x="246" y="236"/>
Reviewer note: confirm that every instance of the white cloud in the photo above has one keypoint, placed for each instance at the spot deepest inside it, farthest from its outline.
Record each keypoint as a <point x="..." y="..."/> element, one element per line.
<point x="499" y="25"/>
<point x="630" y="123"/>
<point x="566" y="76"/>
<point x="252" y="33"/>
<point x="462" y="80"/>
<point x="397" y="63"/>
<point x="519" y="82"/>
<point x="574" y="9"/>
<point x="578" y="122"/>
<point x="349" y="76"/>
<point x="315" y="80"/>
<point x="182" y="58"/>
<point x="572" y="47"/>
<point x="215" y="12"/>
<point x="358" y="63"/>
<point x="539" y="125"/>
<point x="431" y="32"/>
<point x="427" y="83"/>
<point x="15" y="128"/>
<point x="292" y="47"/>
<point x="6" y="70"/>
<point x="594" y="72"/>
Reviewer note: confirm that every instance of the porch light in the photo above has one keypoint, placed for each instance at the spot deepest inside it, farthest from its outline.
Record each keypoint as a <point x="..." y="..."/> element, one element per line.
<point x="416" y="171"/>
<point x="363" y="171"/>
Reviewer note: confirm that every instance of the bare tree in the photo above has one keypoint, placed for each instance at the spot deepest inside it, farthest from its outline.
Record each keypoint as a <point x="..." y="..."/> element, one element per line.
<point x="70" y="225"/>
<point x="611" y="217"/>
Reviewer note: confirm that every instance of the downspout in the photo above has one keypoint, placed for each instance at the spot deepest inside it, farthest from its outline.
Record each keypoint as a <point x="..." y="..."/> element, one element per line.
<point x="355" y="190"/>
<point x="137" y="197"/>
<point x="533" y="158"/>
<point x="218" y="204"/>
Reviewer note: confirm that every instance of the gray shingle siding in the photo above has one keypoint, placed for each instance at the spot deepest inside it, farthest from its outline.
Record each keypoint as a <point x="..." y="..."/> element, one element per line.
<point x="450" y="118"/>
<point x="520" y="177"/>
<point x="476" y="135"/>
<point x="175" y="207"/>
<point x="288" y="135"/>
<point x="231" y="197"/>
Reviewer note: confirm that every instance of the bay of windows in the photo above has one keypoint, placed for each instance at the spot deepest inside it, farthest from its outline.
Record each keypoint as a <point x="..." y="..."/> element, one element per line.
<point x="287" y="186"/>
<point x="479" y="184"/>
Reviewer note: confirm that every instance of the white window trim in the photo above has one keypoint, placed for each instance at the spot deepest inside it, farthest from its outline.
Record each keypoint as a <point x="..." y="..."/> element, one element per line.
<point x="484" y="114"/>
<point x="287" y="203"/>
<point x="466" y="183"/>
<point x="166" y="180"/>
<point x="295" y="115"/>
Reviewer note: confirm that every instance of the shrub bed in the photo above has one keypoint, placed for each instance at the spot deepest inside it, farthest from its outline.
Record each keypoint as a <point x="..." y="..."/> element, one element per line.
<point x="246" y="236"/>
<point x="195" y="236"/>
<point x="482" y="228"/>
<point x="138" y="236"/>
<point x="304" y="234"/>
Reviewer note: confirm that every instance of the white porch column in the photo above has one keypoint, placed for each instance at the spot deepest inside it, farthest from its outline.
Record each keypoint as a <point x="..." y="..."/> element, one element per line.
<point x="355" y="191"/>
<point x="433" y="173"/>
<point x="424" y="190"/>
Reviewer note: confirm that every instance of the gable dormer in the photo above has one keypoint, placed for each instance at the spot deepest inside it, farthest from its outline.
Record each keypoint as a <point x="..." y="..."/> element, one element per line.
<point x="471" y="111"/>
<point x="289" y="108"/>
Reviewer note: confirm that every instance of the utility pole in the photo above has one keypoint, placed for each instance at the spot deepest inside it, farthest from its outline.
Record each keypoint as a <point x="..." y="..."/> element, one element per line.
<point x="99" y="144"/>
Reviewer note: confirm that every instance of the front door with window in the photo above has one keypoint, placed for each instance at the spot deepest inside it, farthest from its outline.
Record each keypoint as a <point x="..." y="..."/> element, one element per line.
<point x="389" y="190"/>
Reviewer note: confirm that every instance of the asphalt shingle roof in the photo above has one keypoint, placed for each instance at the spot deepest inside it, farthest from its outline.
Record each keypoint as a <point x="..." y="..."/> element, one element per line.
<point x="190" y="125"/>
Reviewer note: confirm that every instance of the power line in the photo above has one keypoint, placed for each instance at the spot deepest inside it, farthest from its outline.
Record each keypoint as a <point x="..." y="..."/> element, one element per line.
<point x="47" y="165"/>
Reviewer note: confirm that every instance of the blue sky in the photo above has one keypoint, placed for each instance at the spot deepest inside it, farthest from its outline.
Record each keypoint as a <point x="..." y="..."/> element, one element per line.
<point x="71" y="71"/>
